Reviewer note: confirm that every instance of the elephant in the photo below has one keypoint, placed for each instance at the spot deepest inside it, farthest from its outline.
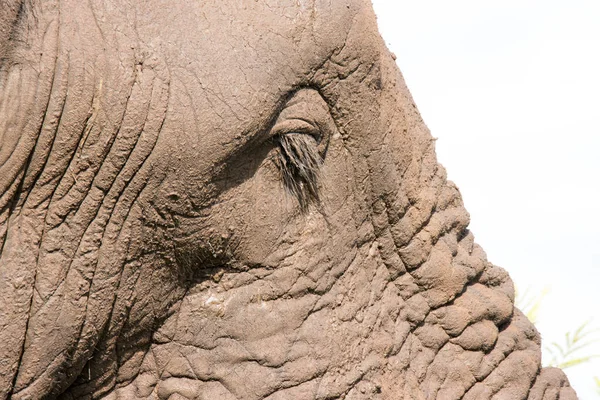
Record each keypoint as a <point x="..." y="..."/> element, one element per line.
<point x="235" y="200"/>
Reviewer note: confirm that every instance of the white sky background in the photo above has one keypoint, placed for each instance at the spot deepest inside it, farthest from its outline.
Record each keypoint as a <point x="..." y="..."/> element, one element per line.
<point x="511" y="89"/>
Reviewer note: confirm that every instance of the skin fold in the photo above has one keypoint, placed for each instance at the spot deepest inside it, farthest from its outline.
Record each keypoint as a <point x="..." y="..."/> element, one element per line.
<point x="235" y="200"/>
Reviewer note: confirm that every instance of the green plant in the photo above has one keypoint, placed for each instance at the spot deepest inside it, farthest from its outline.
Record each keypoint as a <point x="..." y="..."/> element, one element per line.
<point x="570" y="353"/>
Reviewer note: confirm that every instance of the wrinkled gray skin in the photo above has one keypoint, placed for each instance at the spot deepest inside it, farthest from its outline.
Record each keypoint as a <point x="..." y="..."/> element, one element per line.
<point x="166" y="236"/>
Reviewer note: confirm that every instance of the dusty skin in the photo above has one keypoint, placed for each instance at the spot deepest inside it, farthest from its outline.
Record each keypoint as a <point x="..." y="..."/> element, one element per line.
<point x="235" y="200"/>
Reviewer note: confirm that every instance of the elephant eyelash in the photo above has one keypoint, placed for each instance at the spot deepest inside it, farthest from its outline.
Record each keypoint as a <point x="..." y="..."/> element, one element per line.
<point x="299" y="161"/>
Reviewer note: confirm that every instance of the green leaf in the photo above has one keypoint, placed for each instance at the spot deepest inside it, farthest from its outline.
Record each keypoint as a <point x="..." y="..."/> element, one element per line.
<point x="576" y="342"/>
<point x="576" y="361"/>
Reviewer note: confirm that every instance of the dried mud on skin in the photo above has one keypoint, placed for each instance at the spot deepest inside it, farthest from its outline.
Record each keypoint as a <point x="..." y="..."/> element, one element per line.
<point x="217" y="200"/>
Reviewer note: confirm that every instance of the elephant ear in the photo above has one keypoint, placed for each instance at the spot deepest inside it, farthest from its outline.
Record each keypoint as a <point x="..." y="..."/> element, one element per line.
<point x="9" y="13"/>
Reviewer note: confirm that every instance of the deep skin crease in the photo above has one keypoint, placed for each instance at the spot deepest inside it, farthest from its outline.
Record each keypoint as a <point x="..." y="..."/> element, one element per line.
<point x="235" y="199"/>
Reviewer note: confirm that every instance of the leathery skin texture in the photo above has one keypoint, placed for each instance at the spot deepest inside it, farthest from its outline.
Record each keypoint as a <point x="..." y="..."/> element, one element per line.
<point x="235" y="200"/>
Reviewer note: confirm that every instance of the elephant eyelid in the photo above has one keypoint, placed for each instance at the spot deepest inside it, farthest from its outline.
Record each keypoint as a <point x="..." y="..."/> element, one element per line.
<point x="297" y="126"/>
<point x="299" y="162"/>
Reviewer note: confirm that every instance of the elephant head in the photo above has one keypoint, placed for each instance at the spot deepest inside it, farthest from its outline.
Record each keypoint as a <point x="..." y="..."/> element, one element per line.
<point x="235" y="199"/>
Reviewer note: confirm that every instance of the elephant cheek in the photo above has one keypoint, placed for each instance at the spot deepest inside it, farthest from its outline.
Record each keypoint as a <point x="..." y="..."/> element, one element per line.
<point x="258" y="216"/>
<point x="257" y="223"/>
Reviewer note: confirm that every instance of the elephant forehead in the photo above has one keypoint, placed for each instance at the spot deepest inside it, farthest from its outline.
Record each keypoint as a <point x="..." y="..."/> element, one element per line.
<point x="227" y="27"/>
<point x="232" y="65"/>
<point x="236" y="51"/>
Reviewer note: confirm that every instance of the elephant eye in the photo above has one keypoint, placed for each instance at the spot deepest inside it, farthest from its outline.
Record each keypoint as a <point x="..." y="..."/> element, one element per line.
<point x="299" y="161"/>
<point x="302" y="132"/>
